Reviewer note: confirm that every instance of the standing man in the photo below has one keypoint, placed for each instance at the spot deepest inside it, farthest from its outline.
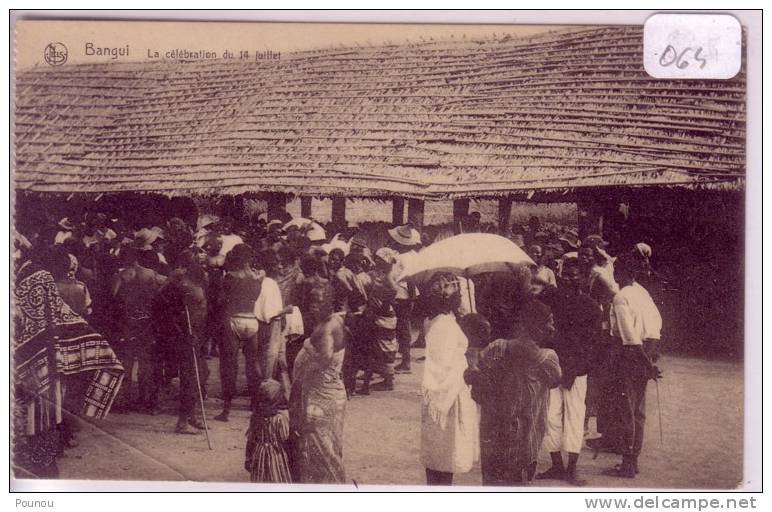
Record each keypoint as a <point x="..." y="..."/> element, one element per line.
<point x="634" y="318"/>
<point x="543" y="276"/>
<point x="578" y="325"/>
<point x="181" y="314"/>
<point x="598" y="270"/>
<point x="381" y="319"/>
<point x="240" y="289"/>
<point x="645" y="276"/>
<point x="134" y="288"/>
<point x="404" y="240"/>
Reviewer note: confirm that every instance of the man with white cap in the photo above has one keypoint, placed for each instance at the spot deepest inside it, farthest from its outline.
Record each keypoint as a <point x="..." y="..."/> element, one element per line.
<point x="203" y="227"/>
<point x="634" y="319"/>
<point x="404" y="239"/>
<point x="66" y="228"/>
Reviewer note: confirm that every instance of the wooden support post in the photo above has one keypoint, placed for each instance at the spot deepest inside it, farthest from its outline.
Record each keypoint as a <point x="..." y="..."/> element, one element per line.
<point x="398" y="211"/>
<point x="305" y="206"/>
<point x="277" y="205"/>
<point x="238" y="207"/>
<point x="505" y="214"/>
<point x="460" y="212"/>
<point x="339" y="212"/>
<point x="415" y="213"/>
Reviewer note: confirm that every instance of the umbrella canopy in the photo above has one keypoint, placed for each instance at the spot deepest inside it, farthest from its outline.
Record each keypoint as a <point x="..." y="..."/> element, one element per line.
<point x="466" y="255"/>
<point x="315" y="231"/>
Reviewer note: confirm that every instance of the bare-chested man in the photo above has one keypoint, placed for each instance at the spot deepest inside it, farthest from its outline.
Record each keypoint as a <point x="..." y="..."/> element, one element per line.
<point x="134" y="288"/>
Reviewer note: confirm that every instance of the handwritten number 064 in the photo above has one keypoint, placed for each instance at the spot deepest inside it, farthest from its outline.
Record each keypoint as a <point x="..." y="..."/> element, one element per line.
<point x="672" y="56"/>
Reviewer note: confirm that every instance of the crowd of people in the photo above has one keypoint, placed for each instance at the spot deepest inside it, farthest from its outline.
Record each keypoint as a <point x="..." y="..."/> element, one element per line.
<point x="514" y="363"/>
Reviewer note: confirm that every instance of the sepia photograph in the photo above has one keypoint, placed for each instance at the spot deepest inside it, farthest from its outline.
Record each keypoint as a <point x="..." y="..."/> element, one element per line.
<point x="394" y="254"/>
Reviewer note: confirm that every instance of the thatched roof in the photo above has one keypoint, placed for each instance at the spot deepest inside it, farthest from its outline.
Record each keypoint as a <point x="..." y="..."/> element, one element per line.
<point x="561" y="111"/>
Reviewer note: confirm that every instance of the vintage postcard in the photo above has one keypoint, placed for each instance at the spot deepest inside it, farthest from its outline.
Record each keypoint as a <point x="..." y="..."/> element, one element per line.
<point x="379" y="254"/>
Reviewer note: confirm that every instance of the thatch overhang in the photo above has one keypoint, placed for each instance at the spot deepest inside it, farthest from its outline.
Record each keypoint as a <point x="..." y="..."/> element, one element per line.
<point x="562" y="112"/>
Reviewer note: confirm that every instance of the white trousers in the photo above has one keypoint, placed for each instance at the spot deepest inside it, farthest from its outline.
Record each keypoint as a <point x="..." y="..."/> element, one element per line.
<point x="565" y="417"/>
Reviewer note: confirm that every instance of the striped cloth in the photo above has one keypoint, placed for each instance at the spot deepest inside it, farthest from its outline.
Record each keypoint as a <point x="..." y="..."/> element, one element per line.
<point x="51" y="341"/>
<point x="267" y="457"/>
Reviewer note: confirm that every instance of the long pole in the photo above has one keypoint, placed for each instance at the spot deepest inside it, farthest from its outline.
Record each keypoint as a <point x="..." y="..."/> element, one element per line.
<point x="472" y="305"/>
<point x="198" y="377"/>
<point x="659" y="409"/>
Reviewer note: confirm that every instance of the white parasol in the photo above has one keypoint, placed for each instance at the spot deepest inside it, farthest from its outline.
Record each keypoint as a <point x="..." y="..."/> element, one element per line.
<point x="466" y="255"/>
<point x="315" y="232"/>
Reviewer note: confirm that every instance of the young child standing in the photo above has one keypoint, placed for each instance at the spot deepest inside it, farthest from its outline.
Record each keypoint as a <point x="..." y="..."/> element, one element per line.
<point x="266" y="455"/>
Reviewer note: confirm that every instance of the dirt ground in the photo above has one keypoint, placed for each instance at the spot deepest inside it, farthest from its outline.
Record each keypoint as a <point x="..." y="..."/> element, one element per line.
<point x="702" y="440"/>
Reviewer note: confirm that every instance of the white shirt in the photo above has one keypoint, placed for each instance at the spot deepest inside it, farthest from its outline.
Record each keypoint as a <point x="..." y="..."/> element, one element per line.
<point x="268" y="304"/>
<point x="634" y="316"/>
<point x="62" y="236"/>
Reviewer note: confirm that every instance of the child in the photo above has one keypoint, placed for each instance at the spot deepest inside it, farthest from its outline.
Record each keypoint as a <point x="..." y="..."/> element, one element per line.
<point x="478" y="331"/>
<point x="266" y="456"/>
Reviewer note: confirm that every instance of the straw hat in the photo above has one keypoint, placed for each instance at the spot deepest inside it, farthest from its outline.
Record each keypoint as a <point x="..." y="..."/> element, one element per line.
<point x="274" y="224"/>
<point x="387" y="254"/>
<point x="541" y="236"/>
<point x="359" y="242"/>
<point x="206" y="220"/>
<point x="405" y="235"/>
<point x="594" y="241"/>
<point x="643" y="249"/>
<point x="570" y="240"/>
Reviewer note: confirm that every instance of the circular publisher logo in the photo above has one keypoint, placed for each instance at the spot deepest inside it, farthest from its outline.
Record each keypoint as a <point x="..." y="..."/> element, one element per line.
<point x="55" y="54"/>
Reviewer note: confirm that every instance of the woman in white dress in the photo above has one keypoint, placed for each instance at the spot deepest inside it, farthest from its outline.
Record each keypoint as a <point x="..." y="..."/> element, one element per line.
<point x="449" y="421"/>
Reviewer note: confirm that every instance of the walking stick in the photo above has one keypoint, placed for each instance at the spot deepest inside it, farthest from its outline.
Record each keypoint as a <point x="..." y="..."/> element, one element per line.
<point x="198" y="378"/>
<point x="659" y="410"/>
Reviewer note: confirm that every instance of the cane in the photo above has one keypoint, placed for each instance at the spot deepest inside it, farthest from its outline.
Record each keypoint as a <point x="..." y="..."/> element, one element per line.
<point x="198" y="378"/>
<point x="659" y="410"/>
